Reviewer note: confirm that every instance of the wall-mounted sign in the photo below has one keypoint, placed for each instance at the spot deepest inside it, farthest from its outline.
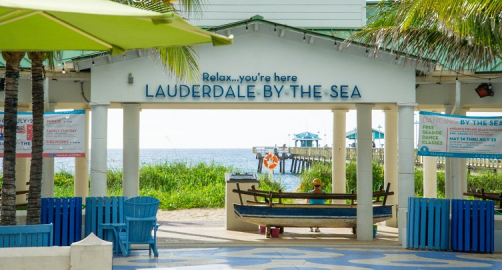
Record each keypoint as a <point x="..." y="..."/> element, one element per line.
<point x="64" y="134"/>
<point x="459" y="136"/>
<point x="250" y="87"/>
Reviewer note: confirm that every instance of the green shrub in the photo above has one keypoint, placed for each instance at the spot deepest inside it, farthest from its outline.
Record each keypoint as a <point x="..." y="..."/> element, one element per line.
<point x="180" y="185"/>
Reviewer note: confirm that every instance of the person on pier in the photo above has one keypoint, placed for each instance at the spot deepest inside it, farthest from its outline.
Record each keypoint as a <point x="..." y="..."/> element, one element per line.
<point x="316" y="183"/>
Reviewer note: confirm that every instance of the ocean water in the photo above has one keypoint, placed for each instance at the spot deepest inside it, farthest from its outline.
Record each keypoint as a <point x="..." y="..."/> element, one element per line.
<point x="241" y="160"/>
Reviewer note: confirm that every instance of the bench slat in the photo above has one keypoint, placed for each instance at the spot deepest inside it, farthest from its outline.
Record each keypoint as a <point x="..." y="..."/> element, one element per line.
<point x="39" y="235"/>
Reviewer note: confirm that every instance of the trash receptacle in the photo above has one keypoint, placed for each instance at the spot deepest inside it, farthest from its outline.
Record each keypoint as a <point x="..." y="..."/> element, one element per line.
<point x="245" y="180"/>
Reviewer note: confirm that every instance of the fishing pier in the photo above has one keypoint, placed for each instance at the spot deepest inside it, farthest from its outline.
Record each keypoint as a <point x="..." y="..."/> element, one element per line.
<point x="302" y="158"/>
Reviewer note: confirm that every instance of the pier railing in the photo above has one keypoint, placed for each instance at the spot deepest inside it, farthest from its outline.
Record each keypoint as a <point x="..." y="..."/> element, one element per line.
<point x="263" y="150"/>
<point x="378" y="156"/>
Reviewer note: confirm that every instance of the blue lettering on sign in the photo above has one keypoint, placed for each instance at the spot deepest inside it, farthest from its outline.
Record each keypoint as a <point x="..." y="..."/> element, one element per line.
<point x="317" y="92"/>
<point x="293" y="87"/>
<point x="335" y="92"/>
<point x="195" y="91"/>
<point x="206" y="91"/>
<point x="344" y="93"/>
<point x="355" y="92"/>
<point x="267" y="91"/>
<point x="148" y="95"/>
<point x="230" y="92"/>
<point x="278" y="90"/>
<point x="219" y="88"/>
<point x="250" y="91"/>
<point x="160" y="92"/>
<point x="305" y="92"/>
<point x="185" y="87"/>
<point x="275" y="86"/>
<point x="239" y="92"/>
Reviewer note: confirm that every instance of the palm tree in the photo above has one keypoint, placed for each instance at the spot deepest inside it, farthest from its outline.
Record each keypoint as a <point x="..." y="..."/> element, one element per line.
<point x="37" y="147"/>
<point x="13" y="60"/>
<point x="458" y="34"/>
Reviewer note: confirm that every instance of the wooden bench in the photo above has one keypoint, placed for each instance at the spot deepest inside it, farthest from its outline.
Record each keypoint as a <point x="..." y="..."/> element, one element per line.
<point x="269" y="210"/>
<point x="26" y="235"/>
<point x="477" y="194"/>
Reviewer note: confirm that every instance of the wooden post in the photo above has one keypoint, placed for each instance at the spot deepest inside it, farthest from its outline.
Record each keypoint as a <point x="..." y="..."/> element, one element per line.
<point x="239" y="191"/>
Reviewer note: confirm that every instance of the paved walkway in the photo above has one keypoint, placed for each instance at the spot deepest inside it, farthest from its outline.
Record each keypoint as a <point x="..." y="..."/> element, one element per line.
<point x="207" y="245"/>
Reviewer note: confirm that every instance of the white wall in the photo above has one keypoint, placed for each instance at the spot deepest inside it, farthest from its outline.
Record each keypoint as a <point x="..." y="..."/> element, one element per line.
<point x="299" y="13"/>
<point x="255" y="53"/>
<point x="439" y="95"/>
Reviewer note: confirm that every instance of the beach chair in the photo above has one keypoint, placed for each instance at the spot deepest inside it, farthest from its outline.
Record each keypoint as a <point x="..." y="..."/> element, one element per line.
<point x="140" y="226"/>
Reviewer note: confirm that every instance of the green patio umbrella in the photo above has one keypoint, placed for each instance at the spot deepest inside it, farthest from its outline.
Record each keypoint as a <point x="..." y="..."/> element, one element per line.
<point x="94" y="25"/>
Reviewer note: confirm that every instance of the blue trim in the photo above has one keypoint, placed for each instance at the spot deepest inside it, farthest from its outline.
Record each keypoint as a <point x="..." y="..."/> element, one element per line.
<point x="67" y="112"/>
<point x="298" y="213"/>
<point x="460" y="116"/>
<point x="63" y="112"/>
<point x="458" y="155"/>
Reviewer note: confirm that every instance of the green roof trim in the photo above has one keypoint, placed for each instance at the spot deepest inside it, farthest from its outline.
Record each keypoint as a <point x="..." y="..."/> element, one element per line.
<point x="66" y="56"/>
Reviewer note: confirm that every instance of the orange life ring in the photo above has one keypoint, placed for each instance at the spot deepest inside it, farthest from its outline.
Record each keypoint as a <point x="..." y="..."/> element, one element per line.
<point x="273" y="164"/>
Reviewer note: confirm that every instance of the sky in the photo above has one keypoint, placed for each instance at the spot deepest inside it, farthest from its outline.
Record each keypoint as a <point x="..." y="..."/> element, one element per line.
<point x="228" y="128"/>
<point x="179" y="129"/>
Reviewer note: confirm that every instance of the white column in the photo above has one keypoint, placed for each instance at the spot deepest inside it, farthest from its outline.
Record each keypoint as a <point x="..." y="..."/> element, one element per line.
<point x="339" y="153"/>
<point x="364" y="173"/>
<point x="131" y="150"/>
<point x="430" y="177"/>
<point x="22" y="172"/>
<point x="390" y="163"/>
<point x="22" y="177"/>
<point x="430" y="184"/>
<point x="81" y="188"/>
<point x="406" y="165"/>
<point x="459" y="172"/>
<point x="48" y="166"/>
<point x="99" y="149"/>
<point x="448" y="166"/>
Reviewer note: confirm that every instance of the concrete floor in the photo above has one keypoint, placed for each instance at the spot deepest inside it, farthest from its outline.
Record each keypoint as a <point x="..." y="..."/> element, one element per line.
<point x="207" y="245"/>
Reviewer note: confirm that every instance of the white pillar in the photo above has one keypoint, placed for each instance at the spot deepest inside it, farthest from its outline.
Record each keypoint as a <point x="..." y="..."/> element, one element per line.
<point x="463" y="177"/>
<point x="48" y="165"/>
<point x="459" y="172"/>
<point x="339" y="153"/>
<point x="430" y="177"/>
<point x="406" y="165"/>
<point x="390" y="163"/>
<point x="448" y="168"/>
<point x="81" y="188"/>
<point x="448" y="189"/>
<point x="131" y="150"/>
<point x="22" y="177"/>
<point x="99" y="149"/>
<point x="364" y="173"/>
<point x="22" y="172"/>
<point x="430" y="184"/>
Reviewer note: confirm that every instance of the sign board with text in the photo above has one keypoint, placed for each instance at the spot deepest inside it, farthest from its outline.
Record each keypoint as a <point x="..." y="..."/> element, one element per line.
<point x="64" y="134"/>
<point x="459" y="136"/>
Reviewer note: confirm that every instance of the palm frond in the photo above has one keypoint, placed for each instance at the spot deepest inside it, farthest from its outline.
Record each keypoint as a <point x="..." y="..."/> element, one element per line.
<point x="456" y="33"/>
<point x="182" y="62"/>
<point x="161" y="6"/>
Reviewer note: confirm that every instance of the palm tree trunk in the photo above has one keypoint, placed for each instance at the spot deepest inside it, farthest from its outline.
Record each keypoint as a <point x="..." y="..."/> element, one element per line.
<point x="13" y="60"/>
<point x="37" y="144"/>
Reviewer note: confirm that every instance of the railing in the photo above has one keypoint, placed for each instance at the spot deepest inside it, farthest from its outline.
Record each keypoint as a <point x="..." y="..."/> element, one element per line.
<point x="378" y="155"/>
<point x="266" y="149"/>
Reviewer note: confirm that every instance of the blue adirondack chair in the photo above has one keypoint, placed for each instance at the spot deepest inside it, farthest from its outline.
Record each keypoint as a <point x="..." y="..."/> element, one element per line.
<point x="140" y="224"/>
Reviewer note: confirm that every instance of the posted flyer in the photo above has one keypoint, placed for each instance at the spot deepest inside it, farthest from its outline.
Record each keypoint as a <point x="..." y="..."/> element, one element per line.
<point x="459" y="136"/>
<point x="64" y="134"/>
